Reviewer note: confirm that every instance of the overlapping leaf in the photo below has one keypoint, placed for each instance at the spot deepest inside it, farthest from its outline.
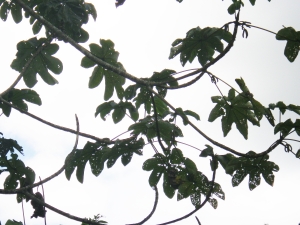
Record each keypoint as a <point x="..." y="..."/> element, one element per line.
<point x="18" y="97"/>
<point x="113" y="81"/>
<point x="66" y="15"/>
<point x="240" y="167"/>
<point x="147" y="126"/>
<point x="98" y="155"/>
<point x="119" y="110"/>
<point x="181" y="174"/>
<point x="239" y="110"/>
<point x="41" y="64"/>
<point x="292" y="37"/>
<point x="13" y="8"/>
<point x="201" y="43"/>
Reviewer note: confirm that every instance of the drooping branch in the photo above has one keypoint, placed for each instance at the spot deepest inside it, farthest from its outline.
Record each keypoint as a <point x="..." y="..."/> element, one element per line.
<point x="153" y="210"/>
<point x="60" y="211"/>
<point x="15" y="191"/>
<point x="101" y="140"/>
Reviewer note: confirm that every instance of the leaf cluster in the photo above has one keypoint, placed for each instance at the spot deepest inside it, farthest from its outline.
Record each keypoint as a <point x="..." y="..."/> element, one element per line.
<point x="202" y="43"/>
<point x="98" y="154"/>
<point x="181" y="174"/>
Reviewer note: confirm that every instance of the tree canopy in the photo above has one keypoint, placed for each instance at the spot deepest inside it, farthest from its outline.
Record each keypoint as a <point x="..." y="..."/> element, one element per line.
<point x="143" y="120"/>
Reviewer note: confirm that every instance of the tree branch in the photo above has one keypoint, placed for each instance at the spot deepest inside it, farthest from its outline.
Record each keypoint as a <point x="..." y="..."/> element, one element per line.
<point x="153" y="210"/>
<point x="59" y="211"/>
<point x="102" y="140"/>
<point x="272" y="147"/>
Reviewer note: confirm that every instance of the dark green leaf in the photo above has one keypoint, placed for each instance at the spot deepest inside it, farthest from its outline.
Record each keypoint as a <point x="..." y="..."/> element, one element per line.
<point x="176" y="156"/>
<point x="167" y="187"/>
<point x="4" y="10"/>
<point x="208" y="151"/>
<point x="16" y="12"/>
<point x="13" y="222"/>
<point x="284" y="127"/>
<point x="155" y="175"/>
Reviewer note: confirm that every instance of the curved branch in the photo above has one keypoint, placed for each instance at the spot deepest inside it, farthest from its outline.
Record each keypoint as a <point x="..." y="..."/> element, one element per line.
<point x="195" y="210"/>
<point x="14" y="191"/>
<point x="59" y="211"/>
<point x="102" y="140"/>
<point x="83" y="50"/>
<point x="271" y="148"/>
<point x="153" y="210"/>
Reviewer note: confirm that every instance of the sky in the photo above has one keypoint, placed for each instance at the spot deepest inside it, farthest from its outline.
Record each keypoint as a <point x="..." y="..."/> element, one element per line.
<point x="143" y="32"/>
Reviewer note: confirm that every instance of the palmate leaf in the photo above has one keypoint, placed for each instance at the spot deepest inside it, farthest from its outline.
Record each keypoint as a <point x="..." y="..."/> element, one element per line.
<point x="147" y="126"/>
<point x="292" y="37"/>
<point x="67" y="15"/>
<point x="119" y="110"/>
<point x="9" y="145"/>
<point x="239" y="110"/>
<point x="254" y="167"/>
<point x="18" y="97"/>
<point x="113" y="81"/>
<point x="201" y="43"/>
<point x="41" y="64"/>
<point x="13" y="8"/>
<point x="98" y="155"/>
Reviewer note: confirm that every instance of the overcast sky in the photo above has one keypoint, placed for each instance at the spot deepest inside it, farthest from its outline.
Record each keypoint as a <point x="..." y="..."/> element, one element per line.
<point x="143" y="32"/>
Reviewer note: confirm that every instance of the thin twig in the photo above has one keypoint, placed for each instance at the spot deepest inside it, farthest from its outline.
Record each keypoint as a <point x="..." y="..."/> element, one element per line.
<point x="101" y="140"/>
<point x="153" y="209"/>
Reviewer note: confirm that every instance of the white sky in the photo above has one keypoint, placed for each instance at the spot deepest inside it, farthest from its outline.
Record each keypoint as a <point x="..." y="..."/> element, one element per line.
<point x="143" y="32"/>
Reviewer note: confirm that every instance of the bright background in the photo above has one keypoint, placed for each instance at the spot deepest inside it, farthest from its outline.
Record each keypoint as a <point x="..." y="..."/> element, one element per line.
<point x="143" y="32"/>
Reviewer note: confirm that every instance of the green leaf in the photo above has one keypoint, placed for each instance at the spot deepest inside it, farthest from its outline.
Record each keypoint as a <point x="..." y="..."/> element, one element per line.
<point x="43" y="62"/>
<point x="201" y="43"/>
<point x="4" y="11"/>
<point x="213" y="202"/>
<point x="167" y="187"/>
<point x="293" y="42"/>
<point x="16" y="12"/>
<point x="224" y="160"/>
<point x="291" y="50"/>
<point x="155" y="175"/>
<point x="190" y="166"/>
<point x="284" y="127"/>
<point x="90" y="9"/>
<point x="96" y="77"/>
<point x="185" y="190"/>
<point x="208" y="151"/>
<point x="152" y="163"/>
<point x="196" y="199"/>
<point x="176" y="156"/>
<point x="113" y="81"/>
<point x="298" y="154"/>
<point x="37" y="26"/>
<point x="105" y="108"/>
<point x="13" y="222"/>
<point x="68" y="17"/>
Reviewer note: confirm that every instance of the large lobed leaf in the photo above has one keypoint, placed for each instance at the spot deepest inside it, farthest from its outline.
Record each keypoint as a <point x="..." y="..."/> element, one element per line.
<point x="200" y="43"/>
<point x="113" y="81"/>
<point x="98" y="155"/>
<point x="41" y="64"/>
<point x="18" y="97"/>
